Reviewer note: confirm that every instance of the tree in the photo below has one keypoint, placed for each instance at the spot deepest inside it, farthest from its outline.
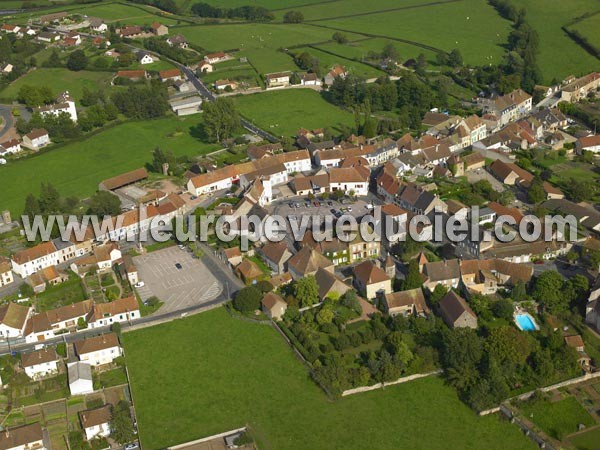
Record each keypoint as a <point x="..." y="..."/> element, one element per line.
<point x="547" y="291"/>
<point x="340" y="37"/>
<point x="390" y="52"/>
<point x="306" y="291"/>
<point x="293" y="17"/>
<point x="32" y="207"/>
<point x="413" y="278"/>
<point x="503" y="309"/>
<point x="519" y="291"/>
<point x="49" y="200"/>
<point x="507" y="344"/>
<point x="247" y="299"/>
<point x="438" y="293"/>
<point x="536" y="192"/>
<point x="33" y="96"/>
<point x="121" y="424"/>
<point x="455" y="58"/>
<point x="77" y="61"/>
<point x="325" y="314"/>
<point x="221" y="119"/>
<point x="104" y="203"/>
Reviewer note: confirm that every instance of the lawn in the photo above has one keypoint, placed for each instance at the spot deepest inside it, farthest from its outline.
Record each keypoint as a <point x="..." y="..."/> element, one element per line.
<point x="77" y="168"/>
<point x="472" y="26"/>
<point x="59" y="80"/>
<point x="71" y="291"/>
<point x="559" y="55"/>
<point x="589" y="28"/>
<point x="242" y="373"/>
<point x="283" y="112"/>
<point x="558" y="419"/>
<point x="586" y="441"/>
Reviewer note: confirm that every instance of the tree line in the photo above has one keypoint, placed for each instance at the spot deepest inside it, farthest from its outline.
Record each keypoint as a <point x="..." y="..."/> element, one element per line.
<point x="250" y="13"/>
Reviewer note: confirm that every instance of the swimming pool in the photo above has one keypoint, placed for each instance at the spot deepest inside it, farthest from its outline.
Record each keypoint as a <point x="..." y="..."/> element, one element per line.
<point x="525" y="322"/>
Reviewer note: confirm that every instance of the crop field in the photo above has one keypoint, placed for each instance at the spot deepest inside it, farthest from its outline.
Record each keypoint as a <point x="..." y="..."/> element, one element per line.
<point x="283" y="112"/>
<point x="78" y="167"/>
<point x="472" y="26"/>
<point x="260" y="43"/>
<point x="59" y="80"/>
<point x="559" y="55"/>
<point x="242" y="373"/>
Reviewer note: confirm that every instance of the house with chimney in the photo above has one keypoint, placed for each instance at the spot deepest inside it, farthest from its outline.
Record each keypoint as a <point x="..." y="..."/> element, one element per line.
<point x="25" y="437"/>
<point x="13" y="319"/>
<point x="96" y="422"/>
<point x="371" y="280"/>
<point x="98" y="350"/>
<point x="40" y="363"/>
<point x="507" y="108"/>
<point x="119" y="311"/>
<point x="446" y="273"/>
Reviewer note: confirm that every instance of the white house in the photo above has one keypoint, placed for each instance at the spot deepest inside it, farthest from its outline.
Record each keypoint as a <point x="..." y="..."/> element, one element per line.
<point x="205" y="67"/>
<point x="6" y="275"/>
<point x="64" y="104"/>
<point x="144" y="58"/>
<point x="13" y="319"/>
<point x="122" y="310"/>
<point x="48" y="324"/>
<point x="36" y="138"/>
<point x="588" y="143"/>
<point x="349" y="179"/>
<point x="96" y="422"/>
<point x="279" y="79"/>
<point x="6" y="68"/>
<point x="40" y="363"/>
<point x="98" y="350"/>
<point x="30" y="260"/>
<point x="12" y="146"/>
<point x="26" y="437"/>
<point x="97" y="25"/>
<point x="80" y="378"/>
<point x="217" y="57"/>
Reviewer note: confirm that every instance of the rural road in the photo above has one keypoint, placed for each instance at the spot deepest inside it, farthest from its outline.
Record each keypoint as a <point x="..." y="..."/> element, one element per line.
<point x="5" y="113"/>
<point x="200" y="87"/>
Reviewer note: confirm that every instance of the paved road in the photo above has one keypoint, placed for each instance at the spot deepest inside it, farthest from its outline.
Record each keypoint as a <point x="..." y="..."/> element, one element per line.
<point x="200" y="87"/>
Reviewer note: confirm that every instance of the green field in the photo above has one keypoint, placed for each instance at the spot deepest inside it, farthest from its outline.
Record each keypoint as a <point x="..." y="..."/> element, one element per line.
<point x="360" y="49"/>
<point x="339" y="8"/>
<point x="472" y="26"/>
<point x="214" y="373"/>
<point x="558" y="419"/>
<point x="59" y="80"/>
<point x="589" y="28"/>
<point x="328" y="60"/>
<point x="559" y="55"/>
<point x="282" y="113"/>
<point x="110" y="11"/>
<point x="77" y="168"/>
<point x="260" y="43"/>
<point x="586" y="441"/>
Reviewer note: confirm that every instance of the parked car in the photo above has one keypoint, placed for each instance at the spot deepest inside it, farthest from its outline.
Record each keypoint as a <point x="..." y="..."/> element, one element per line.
<point x="307" y="205"/>
<point x="297" y="205"/>
<point x="317" y="204"/>
<point x="140" y="284"/>
<point x="290" y="204"/>
<point x="333" y="211"/>
<point x="132" y="446"/>
<point x="179" y="266"/>
<point x="193" y="197"/>
<point x="329" y="203"/>
<point x="349" y="208"/>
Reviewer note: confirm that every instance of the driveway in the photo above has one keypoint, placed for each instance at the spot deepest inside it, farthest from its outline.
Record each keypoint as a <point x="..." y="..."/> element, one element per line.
<point x="192" y="285"/>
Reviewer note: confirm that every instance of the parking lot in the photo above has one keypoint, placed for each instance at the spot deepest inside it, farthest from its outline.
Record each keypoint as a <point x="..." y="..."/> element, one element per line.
<point x="192" y="284"/>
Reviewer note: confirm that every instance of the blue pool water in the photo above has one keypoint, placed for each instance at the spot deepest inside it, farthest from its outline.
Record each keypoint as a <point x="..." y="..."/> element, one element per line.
<point x="525" y="322"/>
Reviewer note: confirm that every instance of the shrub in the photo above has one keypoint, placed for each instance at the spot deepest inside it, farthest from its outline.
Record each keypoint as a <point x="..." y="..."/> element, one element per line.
<point x="247" y="299"/>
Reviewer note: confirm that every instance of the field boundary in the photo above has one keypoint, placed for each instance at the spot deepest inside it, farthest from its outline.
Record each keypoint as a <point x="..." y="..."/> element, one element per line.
<point x="384" y="384"/>
<point x="383" y="11"/>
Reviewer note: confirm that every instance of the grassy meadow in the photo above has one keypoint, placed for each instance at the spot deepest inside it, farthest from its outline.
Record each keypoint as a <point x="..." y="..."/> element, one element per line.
<point x="214" y="373"/>
<point x="283" y="112"/>
<point x="59" y="80"/>
<point x="559" y="55"/>
<point x="78" y="167"/>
